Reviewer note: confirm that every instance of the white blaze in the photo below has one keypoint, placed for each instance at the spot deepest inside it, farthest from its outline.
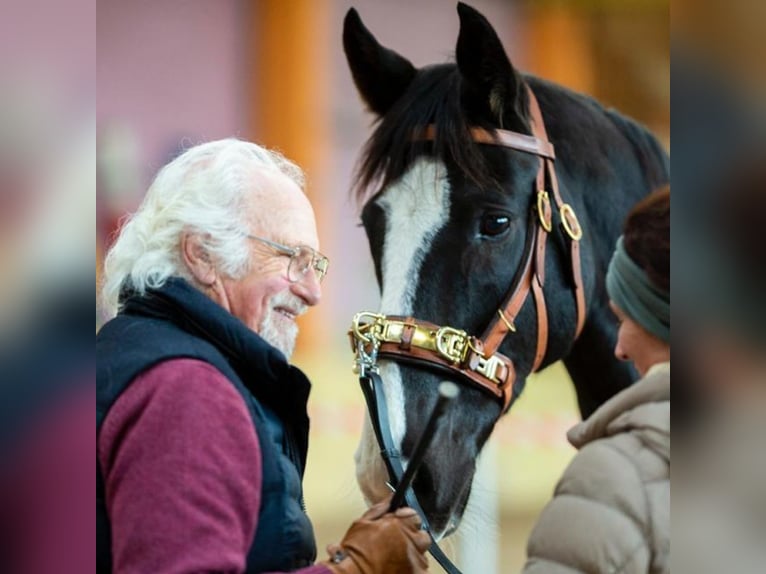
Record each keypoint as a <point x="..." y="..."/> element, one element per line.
<point x="416" y="208"/>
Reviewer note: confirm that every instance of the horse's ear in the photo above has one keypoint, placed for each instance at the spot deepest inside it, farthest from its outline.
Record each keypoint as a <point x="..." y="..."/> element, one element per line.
<point x="381" y="75"/>
<point x="491" y="82"/>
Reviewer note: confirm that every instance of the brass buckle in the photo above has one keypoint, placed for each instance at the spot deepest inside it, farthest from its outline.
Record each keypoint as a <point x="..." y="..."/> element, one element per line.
<point x="367" y="327"/>
<point x="487" y="366"/>
<point x="452" y="344"/>
<point x="509" y="324"/>
<point x="365" y="334"/>
<point x="543" y="201"/>
<point x="570" y="223"/>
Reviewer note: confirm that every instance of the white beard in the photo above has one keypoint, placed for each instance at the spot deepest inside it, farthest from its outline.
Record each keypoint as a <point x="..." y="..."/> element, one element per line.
<point x="273" y="328"/>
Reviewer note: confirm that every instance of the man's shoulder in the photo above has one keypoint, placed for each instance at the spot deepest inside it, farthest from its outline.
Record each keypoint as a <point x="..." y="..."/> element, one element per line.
<point x="177" y="397"/>
<point x="183" y="382"/>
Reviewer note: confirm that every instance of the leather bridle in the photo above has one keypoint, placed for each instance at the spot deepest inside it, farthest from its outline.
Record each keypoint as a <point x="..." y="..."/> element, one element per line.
<point x="473" y="360"/>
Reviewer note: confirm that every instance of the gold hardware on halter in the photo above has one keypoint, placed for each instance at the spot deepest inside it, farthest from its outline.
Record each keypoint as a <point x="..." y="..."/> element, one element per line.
<point x="370" y="330"/>
<point x="568" y="218"/>
<point x="543" y="206"/>
<point x="367" y="327"/>
<point x="452" y="344"/>
<point x="488" y="368"/>
<point x="509" y="324"/>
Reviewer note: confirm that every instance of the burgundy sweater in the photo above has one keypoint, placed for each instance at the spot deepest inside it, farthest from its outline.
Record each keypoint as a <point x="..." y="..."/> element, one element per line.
<point x="182" y="469"/>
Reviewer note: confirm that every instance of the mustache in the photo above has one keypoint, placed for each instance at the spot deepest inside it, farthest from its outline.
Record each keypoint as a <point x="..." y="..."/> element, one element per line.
<point x="289" y="301"/>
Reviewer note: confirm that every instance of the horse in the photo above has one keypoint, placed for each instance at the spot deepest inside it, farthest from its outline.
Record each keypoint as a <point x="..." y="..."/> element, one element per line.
<point x="448" y="207"/>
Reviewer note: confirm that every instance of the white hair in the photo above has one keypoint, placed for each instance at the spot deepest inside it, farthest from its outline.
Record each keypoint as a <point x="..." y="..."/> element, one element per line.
<point x="202" y="191"/>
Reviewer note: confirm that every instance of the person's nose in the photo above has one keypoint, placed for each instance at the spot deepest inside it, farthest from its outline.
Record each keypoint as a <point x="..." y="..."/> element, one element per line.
<point x="308" y="288"/>
<point x="619" y="352"/>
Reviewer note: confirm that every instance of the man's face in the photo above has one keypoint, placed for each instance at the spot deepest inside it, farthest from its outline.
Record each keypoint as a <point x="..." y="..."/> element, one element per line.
<point x="636" y="344"/>
<point x="264" y="299"/>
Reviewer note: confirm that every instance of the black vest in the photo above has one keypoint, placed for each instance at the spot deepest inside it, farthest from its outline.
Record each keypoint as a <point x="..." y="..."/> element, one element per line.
<point x="178" y="321"/>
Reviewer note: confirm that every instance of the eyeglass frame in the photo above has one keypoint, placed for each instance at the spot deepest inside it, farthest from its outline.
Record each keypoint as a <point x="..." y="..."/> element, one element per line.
<point x="292" y="252"/>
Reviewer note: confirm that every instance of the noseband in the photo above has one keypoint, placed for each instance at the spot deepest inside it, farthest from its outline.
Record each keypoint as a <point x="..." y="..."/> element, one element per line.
<point x="473" y="360"/>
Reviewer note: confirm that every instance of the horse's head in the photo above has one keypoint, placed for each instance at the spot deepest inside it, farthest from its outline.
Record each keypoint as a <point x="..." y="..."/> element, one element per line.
<point x="448" y="223"/>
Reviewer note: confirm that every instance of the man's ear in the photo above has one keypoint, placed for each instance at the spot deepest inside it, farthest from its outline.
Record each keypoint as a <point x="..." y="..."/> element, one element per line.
<point x="197" y="259"/>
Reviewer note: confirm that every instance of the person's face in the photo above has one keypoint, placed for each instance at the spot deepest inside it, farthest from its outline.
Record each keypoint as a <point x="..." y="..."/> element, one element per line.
<point x="265" y="299"/>
<point x="636" y="344"/>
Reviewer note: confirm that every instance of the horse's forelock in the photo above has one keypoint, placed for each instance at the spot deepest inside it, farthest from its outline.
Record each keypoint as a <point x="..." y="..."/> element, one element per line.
<point x="433" y="97"/>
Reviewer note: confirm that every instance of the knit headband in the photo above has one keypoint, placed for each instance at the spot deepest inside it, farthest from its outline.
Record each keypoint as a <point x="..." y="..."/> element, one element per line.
<point x="631" y="290"/>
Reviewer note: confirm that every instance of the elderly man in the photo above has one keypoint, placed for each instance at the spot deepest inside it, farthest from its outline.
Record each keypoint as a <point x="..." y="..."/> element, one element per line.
<point x="202" y="424"/>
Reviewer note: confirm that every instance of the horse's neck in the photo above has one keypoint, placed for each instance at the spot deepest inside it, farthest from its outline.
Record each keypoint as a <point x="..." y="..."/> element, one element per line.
<point x="596" y="373"/>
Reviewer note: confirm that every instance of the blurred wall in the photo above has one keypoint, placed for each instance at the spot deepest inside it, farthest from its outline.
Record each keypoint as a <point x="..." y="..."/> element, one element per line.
<point x="171" y="71"/>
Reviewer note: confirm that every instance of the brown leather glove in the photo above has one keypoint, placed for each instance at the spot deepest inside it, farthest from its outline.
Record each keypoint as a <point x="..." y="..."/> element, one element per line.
<point x="382" y="543"/>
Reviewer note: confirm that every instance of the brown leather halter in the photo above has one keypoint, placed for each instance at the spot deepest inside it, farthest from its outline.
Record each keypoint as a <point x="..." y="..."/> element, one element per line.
<point x="472" y="358"/>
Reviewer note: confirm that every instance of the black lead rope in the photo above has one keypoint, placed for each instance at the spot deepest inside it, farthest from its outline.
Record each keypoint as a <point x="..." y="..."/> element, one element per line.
<point x="372" y="387"/>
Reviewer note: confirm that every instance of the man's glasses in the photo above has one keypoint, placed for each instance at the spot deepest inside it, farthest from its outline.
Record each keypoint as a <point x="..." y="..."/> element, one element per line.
<point x="302" y="258"/>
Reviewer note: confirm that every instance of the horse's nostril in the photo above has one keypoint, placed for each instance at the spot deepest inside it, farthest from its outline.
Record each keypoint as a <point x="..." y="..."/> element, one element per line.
<point x="451" y="527"/>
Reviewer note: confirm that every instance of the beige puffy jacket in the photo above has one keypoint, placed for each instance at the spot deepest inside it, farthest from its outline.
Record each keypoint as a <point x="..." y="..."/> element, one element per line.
<point x="611" y="509"/>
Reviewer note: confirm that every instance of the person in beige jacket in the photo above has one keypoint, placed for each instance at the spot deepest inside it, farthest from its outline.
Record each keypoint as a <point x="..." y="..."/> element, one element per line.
<point x="611" y="508"/>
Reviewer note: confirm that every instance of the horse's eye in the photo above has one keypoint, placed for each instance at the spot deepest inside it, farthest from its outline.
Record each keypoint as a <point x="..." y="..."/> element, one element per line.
<point x="494" y="224"/>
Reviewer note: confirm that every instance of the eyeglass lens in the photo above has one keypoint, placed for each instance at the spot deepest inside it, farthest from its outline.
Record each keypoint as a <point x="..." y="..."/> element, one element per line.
<point x="303" y="260"/>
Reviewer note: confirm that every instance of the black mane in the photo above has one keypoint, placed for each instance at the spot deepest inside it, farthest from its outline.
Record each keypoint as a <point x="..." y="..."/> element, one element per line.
<point x="435" y="96"/>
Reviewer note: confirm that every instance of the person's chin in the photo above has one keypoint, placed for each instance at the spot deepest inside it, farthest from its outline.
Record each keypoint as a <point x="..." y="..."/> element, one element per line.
<point x="283" y="338"/>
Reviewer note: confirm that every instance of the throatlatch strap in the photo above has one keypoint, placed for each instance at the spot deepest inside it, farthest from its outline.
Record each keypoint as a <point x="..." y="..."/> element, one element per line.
<point x="372" y="387"/>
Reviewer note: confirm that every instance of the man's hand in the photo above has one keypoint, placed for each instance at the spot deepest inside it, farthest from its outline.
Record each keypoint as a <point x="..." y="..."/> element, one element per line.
<point x="382" y="543"/>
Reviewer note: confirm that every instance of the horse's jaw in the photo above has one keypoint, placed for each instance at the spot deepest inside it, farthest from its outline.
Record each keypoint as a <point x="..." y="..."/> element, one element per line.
<point x="372" y="478"/>
<point x="442" y="484"/>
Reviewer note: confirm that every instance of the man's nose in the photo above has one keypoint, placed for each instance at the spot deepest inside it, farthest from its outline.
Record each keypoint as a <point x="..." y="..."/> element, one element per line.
<point x="308" y="288"/>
